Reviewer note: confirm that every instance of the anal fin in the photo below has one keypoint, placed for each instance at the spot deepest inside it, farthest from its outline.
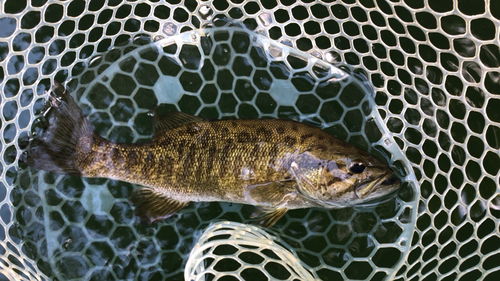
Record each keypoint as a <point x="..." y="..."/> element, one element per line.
<point x="152" y="206"/>
<point x="172" y="120"/>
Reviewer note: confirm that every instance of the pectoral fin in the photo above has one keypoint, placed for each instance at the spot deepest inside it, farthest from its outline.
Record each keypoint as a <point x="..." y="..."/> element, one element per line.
<point x="272" y="193"/>
<point x="268" y="217"/>
<point x="272" y="198"/>
<point x="152" y="206"/>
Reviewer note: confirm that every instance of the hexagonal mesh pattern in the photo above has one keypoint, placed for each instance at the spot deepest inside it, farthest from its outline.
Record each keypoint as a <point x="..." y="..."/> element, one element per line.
<point x="244" y="249"/>
<point x="433" y="65"/>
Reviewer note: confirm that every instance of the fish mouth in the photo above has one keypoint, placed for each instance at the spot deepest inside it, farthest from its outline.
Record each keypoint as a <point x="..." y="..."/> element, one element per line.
<point x="381" y="186"/>
<point x="391" y="181"/>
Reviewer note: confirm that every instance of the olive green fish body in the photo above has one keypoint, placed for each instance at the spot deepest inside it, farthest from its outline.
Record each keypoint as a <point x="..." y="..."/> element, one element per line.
<point x="208" y="160"/>
<point x="270" y="163"/>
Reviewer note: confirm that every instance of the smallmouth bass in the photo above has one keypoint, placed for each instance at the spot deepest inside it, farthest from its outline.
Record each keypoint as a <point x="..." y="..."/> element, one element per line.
<point x="273" y="164"/>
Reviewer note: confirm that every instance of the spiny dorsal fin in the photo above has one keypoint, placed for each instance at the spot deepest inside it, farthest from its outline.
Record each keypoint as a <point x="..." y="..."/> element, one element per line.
<point x="152" y="206"/>
<point x="172" y="120"/>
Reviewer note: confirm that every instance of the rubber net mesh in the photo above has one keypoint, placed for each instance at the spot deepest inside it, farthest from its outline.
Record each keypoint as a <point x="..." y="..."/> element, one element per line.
<point x="415" y="82"/>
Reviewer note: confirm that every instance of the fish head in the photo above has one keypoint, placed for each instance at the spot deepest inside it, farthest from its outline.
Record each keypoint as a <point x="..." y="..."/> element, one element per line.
<point x="334" y="180"/>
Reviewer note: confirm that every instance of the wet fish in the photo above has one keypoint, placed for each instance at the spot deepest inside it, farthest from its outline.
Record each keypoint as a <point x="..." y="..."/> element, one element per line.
<point x="273" y="164"/>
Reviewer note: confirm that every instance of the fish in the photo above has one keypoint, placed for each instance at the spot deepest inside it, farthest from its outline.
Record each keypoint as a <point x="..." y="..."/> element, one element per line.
<point x="273" y="164"/>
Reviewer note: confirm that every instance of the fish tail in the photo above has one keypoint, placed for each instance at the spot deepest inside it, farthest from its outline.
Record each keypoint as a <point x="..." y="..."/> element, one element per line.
<point x="67" y="136"/>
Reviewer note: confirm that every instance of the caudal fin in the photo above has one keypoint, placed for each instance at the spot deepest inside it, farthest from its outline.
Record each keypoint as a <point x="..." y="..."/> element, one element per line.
<point x="68" y="136"/>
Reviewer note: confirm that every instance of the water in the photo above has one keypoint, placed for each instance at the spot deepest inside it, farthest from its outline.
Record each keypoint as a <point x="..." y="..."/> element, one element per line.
<point x="408" y="59"/>
<point x="214" y="73"/>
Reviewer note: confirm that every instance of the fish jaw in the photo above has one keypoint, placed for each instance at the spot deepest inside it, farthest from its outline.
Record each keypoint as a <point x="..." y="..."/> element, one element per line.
<point x="376" y="190"/>
<point x="380" y="187"/>
<point x="327" y="180"/>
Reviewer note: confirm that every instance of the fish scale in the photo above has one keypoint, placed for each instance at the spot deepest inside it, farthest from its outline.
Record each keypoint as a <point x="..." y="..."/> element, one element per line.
<point x="273" y="164"/>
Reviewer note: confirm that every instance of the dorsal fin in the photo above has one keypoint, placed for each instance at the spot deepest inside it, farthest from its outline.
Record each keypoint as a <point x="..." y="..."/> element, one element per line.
<point x="172" y="120"/>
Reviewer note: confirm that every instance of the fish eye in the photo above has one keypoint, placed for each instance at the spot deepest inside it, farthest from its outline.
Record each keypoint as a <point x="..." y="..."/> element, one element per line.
<point x="357" y="168"/>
